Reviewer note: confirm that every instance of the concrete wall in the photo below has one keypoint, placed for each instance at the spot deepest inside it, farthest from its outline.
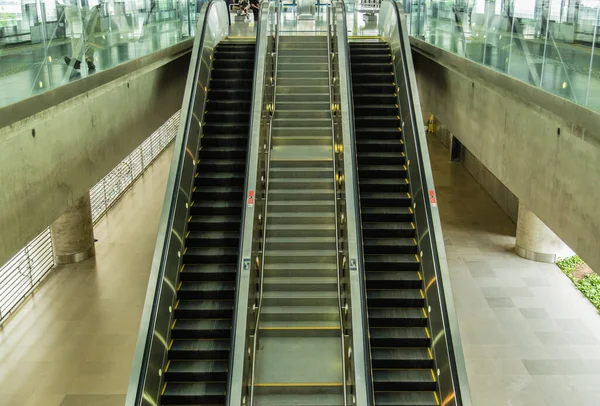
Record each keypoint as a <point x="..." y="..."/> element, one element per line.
<point x="74" y="135"/>
<point x="544" y="149"/>
<point x="500" y="193"/>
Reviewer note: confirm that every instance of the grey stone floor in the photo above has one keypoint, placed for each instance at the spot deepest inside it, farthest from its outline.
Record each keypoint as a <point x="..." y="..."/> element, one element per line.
<point x="529" y="336"/>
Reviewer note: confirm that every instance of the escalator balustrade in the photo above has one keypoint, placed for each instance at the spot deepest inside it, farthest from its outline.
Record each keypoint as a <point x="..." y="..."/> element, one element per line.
<point x="402" y="364"/>
<point x="199" y="351"/>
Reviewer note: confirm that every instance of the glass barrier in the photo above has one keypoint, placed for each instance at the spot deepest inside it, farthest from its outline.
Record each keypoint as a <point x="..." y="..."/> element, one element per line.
<point x="549" y="44"/>
<point x="48" y="43"/>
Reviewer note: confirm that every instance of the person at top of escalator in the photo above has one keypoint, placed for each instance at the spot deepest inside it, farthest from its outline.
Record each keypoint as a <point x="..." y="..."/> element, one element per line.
<point x="255" y="6"/>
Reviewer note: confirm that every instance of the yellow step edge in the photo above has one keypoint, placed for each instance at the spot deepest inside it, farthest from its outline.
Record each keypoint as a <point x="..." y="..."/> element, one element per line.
<point x="189" y="219"/>
<point x="194" y="189"/>
<point x="177" y="304"/>
<point x="179" y="286"/>
<point x="437" y="399"/>
<point x="173" y="325"/>
<point x="164" y="388"/>
<point x="427" y="332"/>
<point x="424" y="313"/>
<point x="408" y="195"/>
<point x="185" y="250"/>
<point x="410" y="210"/>
<point x="421" y="292"/>
<point x="430" y="353"/>
<point x="171" y="343"/>
<point x="433" y="376"/>
<point x="187" y="234"/>
<point x="417" y="257"/>
<point x="420" y="275"/>
<point x="412" y="224"/>
<point x="168" y="365"/>
<point x="181" y="269"/>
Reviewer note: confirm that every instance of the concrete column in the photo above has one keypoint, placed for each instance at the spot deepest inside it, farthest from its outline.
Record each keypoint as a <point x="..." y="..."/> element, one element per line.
<point x="535" y="241"/>
<point x="73" y="233"/>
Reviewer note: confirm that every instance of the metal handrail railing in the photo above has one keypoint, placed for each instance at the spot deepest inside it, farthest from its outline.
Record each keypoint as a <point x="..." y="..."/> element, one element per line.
<point x="167" y="234"/>
<point x="255" y="96"/>
<point x="425" y="194"/>
<point x="265" y="205"/>
<point x="330" y="58"/>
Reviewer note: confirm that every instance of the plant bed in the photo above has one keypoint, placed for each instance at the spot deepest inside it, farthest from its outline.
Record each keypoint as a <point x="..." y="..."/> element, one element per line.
<point x="586" y="280"/>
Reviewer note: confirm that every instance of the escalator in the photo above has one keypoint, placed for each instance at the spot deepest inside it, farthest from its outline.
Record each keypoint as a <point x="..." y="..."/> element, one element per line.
<point x="198" y="357"/>
<point x="401" y="359"/>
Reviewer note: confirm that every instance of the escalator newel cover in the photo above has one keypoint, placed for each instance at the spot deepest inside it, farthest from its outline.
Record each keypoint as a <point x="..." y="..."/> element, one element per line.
<point x="199" y="350"/>
<point x="401" y="360"/>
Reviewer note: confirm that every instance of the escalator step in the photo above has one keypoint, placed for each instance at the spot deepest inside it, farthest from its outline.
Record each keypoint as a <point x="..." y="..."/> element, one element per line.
<point x="391" y="262"/>
<point x="403" y="380"/>
<point x="393" y="280"/>
<point x="222" y="179"/>
<point x="194" y="393"/>
<point x="387" y="214"/>
<point x="206" y="290"/>
<point x="199" y="349"/>
<point x="223" y="140"/>
<point x="375" y="145"/>
<point x="411" y="398"/>
<point x="383" y="171"/>
<point x="215" y="223"/>
<point x="394" y="298"/>
<point x="217" y="207"/>
<point x="392" y="230"/>
<point x="197" y="370"/>
<point x="211" y="328"/>
<point x="399" y="337"/>
<point x="210" y="255"/>
<point x="390" y="246"/>
<point x="213" y="272"/>
<point x="207" y="165"/>
<point x="231" y="73"/>
<point x="360" y="77"/>
<point x="204" y="309"/>
<point x="383" y="358"/>
<point x="213" y="239"/>
<point x="375" y="99"/>
<point x="384" y="185"/>
<point x="218" y="193"/>
<point x="397" y="317"/>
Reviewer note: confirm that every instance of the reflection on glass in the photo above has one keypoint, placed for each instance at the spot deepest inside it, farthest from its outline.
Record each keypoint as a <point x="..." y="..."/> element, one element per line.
<point x="47" y="43"/>
<point x="550" y="44"/>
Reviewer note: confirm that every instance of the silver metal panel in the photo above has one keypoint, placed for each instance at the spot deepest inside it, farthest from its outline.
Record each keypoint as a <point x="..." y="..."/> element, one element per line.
<point x="247" y="274"/>
<point x="447" y="347"/>
<point x="305" y="9"/>
<point x="359" y="342"/>
<point x="151" y="350"/>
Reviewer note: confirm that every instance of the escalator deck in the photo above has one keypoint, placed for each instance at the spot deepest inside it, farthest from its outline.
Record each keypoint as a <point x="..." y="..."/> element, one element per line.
<point x="402" y="364"/>
<point x="199" y="350"/>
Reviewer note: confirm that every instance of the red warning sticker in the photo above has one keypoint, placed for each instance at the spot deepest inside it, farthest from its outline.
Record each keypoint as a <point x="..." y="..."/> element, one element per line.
<point x="251" y="198"/>
<point x="432" y="198"/>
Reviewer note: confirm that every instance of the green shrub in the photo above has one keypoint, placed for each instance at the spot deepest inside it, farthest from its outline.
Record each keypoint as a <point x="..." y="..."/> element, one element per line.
<point x="588" y="285"/>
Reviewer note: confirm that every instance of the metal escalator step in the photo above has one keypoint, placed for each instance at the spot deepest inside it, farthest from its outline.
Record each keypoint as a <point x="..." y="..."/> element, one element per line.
<point x="299" y="270"/>
<point x="216" y="207"/>
<point x="206" y="165"/>
<point x="303" y="243"/>
<point x="300" y="298"/>
<point x="204" y="309"/>
<point x="230" y="83"/>
<point x="209" y="180"/>
<point x="218" y="193"/>
<point x="386" y="298"/>
<point x="299" y="399"/>
<point x="387" y="214"/>
<point x="384" y="185"/>
<point x="312" y="218"/>
<point x="381" y="67"/>
<point x="404" y="380"/>
<point x="213" y="239"/>
<point x="223" y="152"/>
<point x="401" y="358"/>
<point x="375" y="99"/>
<point x="231" y="73"/>
<point x="206" y="290"/>
<point x="198" y="328"/>
<point x="197" y="370"/>
<point x="391" y="262"/>
<point x="301" y="283"/>
<point x="190" y="393"/>
<point x="393" y="280"/>
<point x="215" y="223"/>
<point x="299" y="313"/>
<point x="293" y="256"/>
<point x="399" y="337"/>
<point x="360" y="77"/>
<point x="411" y="398"/>
<point x="299" y="195"/>
<point x="212" y="272"/>
<point x="200" y="349"/>
<point x="301" y="230"/>
<point x="210" y="255"/>
<point x="390" y="245"/>
<point x="302" y="206"/>
<point x="223" y="140"/>
<point x="304" y="328"/>
<point x="378" y="229"/>
<point x="379" y="145"/>
<point x="397" y="317"/>
<point x="370" y="199"/>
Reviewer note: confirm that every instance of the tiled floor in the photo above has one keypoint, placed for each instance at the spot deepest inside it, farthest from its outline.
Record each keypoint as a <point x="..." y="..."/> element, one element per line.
<point x="73" y="342"/>
<point x="529" y="336"/>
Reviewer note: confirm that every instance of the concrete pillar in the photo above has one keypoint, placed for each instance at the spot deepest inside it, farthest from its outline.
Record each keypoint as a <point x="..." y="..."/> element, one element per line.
<point x="73" y="233"/>
<point x="535" y="241"/>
